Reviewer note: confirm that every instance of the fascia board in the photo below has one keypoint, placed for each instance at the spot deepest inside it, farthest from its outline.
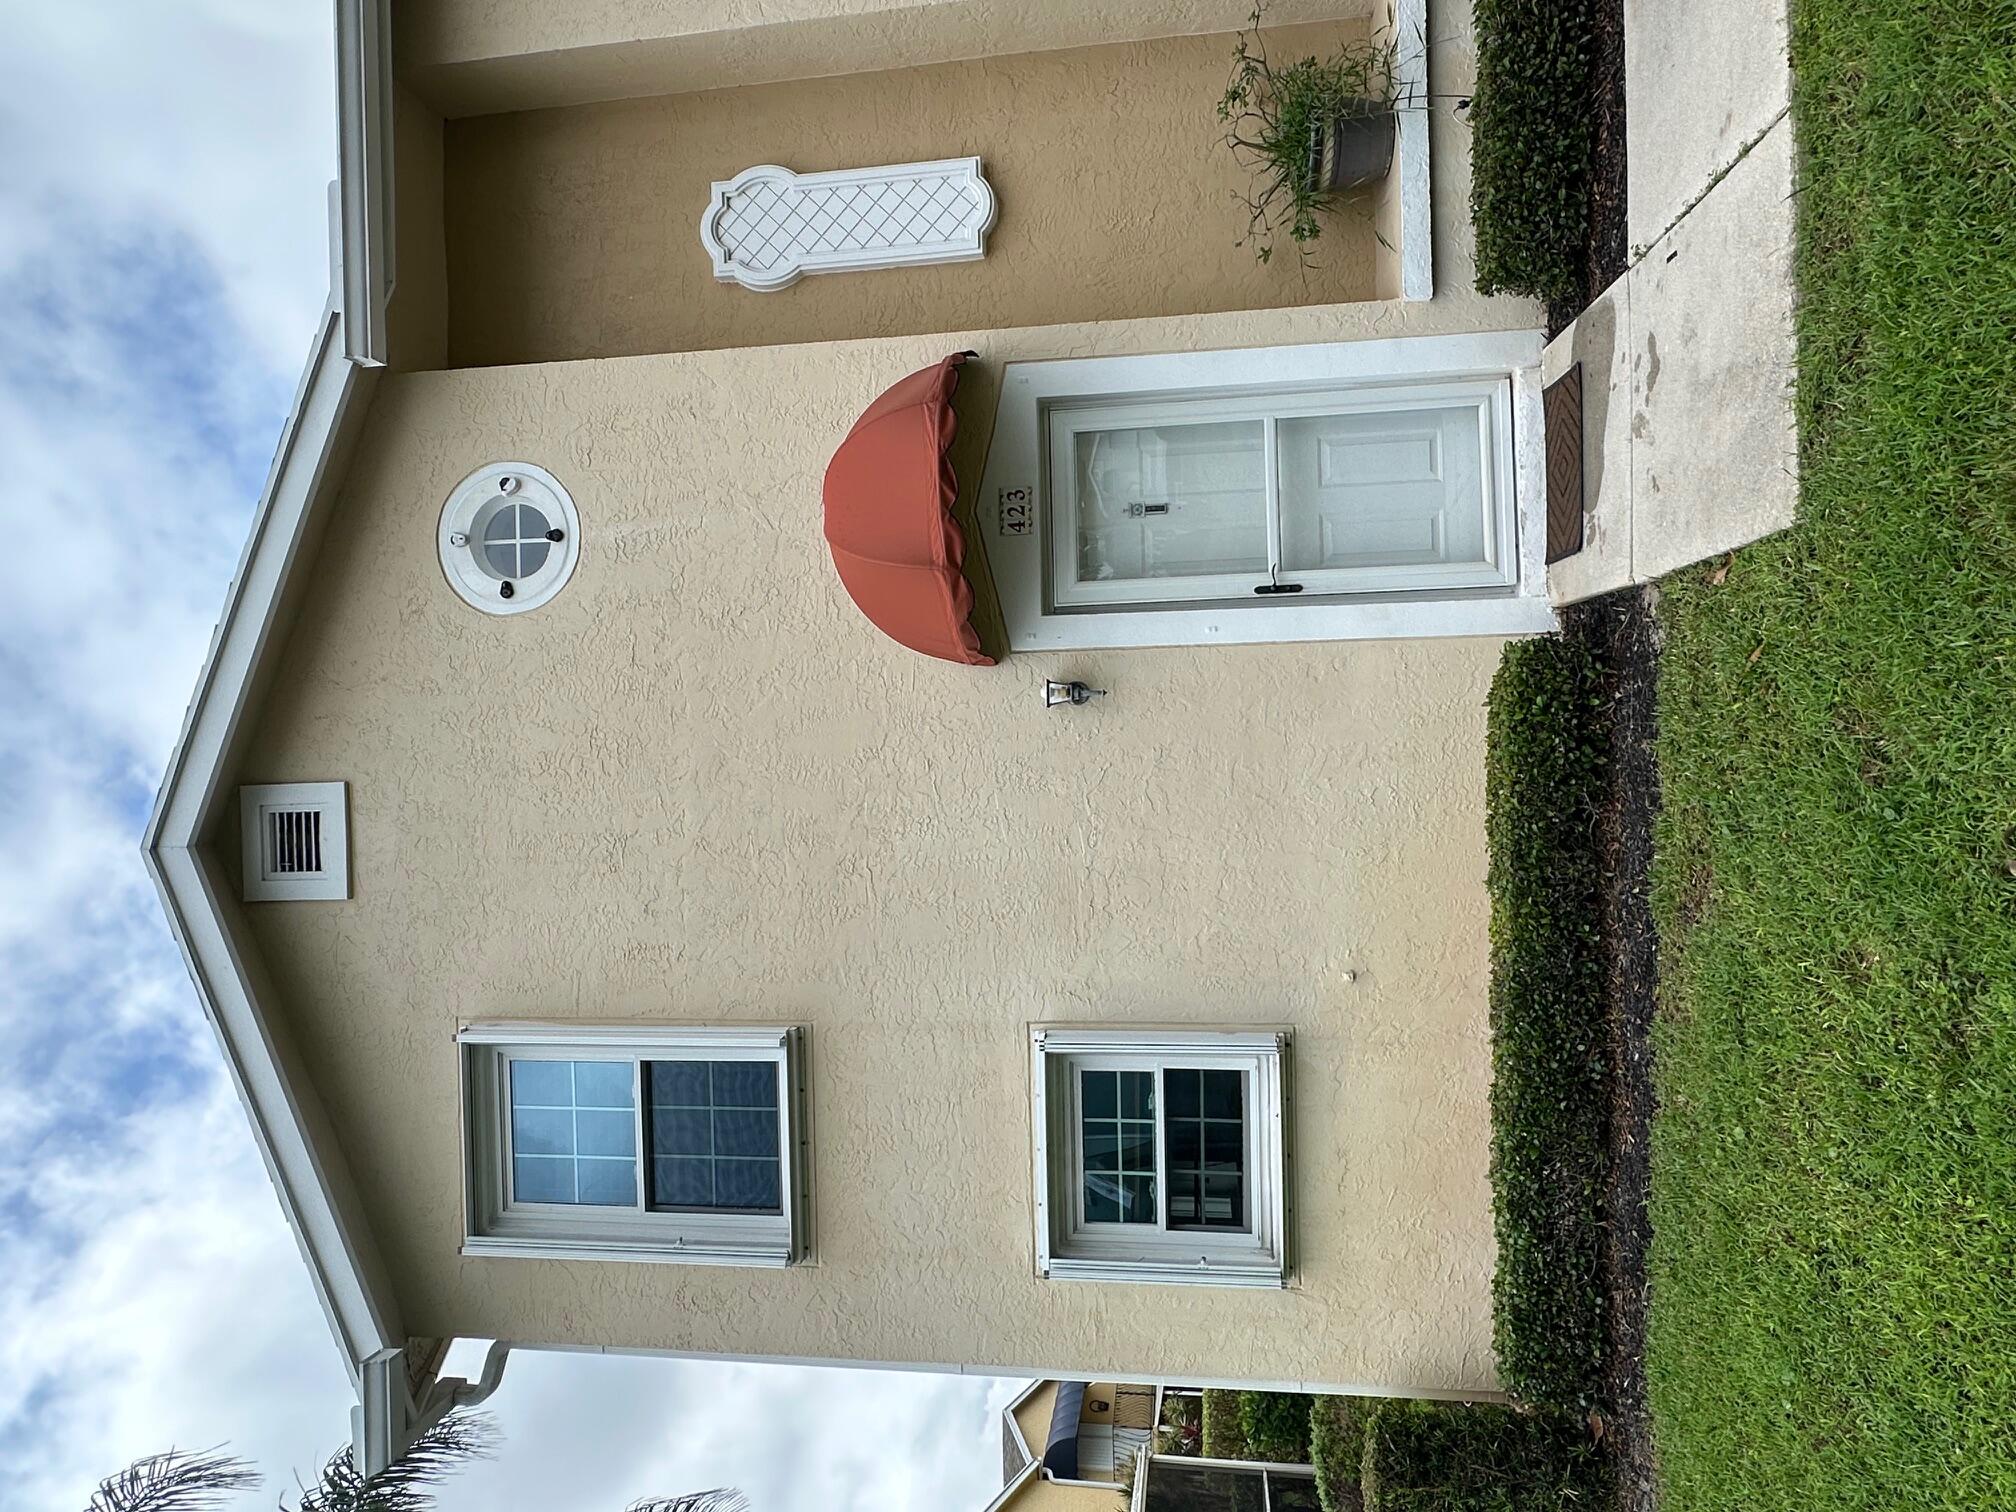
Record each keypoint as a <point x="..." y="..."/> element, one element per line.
<point x="329" y="405"/>
<point x="309" y="1173"/>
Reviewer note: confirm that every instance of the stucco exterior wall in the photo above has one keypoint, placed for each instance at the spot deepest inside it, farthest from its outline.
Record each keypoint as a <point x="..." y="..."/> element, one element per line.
<point x="575" y="233"/>
<point x="1039" y="1495"/>
<point x="699" y="786"/>
<point x="416" y="319"/>
<point x="1033" y="1417"/>
<point x="479" y="57"/>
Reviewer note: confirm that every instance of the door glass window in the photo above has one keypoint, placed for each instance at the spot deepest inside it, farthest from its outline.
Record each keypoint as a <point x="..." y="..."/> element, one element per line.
<point x="1172" y="501"/>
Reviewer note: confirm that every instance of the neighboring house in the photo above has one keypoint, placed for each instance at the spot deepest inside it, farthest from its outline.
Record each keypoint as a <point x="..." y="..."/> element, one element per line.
<point x="686" y="966"/>
<point x="1076" y="1446"/>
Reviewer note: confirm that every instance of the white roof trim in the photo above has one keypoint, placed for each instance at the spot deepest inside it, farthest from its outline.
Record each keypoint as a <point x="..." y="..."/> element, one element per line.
<point x="1030" y="1468"/>
<point x="364" y="174"/>
<point x="308" y="1170"/>
<point x="1022" y="1478"/>
<point x="1015" y="1423"/>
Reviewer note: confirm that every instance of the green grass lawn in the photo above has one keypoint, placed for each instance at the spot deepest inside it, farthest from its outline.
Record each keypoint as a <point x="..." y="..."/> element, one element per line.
<point x="1834" y="1189"/>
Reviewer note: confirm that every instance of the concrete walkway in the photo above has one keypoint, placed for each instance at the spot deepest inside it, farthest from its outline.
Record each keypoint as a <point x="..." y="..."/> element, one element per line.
<point x="1689" y="445"/>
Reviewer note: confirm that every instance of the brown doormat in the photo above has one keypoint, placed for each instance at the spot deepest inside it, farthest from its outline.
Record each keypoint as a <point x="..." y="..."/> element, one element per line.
<point x="1562" y="404"/>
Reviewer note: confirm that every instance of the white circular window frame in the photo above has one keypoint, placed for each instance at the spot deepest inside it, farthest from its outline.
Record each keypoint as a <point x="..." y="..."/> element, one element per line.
<point x="460" y="538"/>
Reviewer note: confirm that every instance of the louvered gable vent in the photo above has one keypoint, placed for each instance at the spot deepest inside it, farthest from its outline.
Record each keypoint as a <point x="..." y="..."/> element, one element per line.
<point x="296" y="841"/>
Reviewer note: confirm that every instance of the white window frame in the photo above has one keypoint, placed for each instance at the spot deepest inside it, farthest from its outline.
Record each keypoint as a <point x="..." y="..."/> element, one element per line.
<point x="330" y="800"/>
<point x="1070" y="1249"/>
<point x="494" y="1225"/>
<point x="1013" y="510"/>
<point x="1489" y="401"/>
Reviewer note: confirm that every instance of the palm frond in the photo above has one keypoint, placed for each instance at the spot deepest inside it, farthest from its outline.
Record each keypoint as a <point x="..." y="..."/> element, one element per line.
<point x="406" y="1485"/>
<point x="722" y="1499"/>
<point x="177" y="1481"/>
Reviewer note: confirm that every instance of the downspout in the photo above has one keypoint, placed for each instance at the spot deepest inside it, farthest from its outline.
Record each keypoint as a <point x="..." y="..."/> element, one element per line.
<point x="391" y="1416"/>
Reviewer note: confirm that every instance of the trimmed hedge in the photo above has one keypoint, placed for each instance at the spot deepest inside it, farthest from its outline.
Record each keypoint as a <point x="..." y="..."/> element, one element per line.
<point x="1337" y="1427"/>
<point x="1224" y="1437"/>
<point x="1451" y="1457"/>
<point x="1276" y="1425"/>
<point x="1530" y="146"/>
<point x="1543" y="772"/>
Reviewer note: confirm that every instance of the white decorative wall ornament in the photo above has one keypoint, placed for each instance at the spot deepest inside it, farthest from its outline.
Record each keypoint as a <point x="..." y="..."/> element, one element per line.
<point x="767" y="227"/>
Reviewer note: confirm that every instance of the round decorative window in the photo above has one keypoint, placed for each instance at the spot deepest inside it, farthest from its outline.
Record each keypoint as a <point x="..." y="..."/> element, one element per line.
<point x="509" y="537"/>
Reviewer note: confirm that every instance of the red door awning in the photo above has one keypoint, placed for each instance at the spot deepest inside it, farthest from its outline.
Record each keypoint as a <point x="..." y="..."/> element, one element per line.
<point x="889" y="496"/>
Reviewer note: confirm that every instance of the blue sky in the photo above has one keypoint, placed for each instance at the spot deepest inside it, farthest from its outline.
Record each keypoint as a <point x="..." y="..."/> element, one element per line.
<point x="163" y="257"/>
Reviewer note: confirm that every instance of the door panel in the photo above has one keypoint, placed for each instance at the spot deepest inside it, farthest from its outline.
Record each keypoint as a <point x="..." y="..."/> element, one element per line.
<point x="1390" y="488"/>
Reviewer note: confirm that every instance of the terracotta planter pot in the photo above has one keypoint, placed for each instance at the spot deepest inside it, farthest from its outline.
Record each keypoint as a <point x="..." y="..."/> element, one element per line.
<point x="1354" y="149"/>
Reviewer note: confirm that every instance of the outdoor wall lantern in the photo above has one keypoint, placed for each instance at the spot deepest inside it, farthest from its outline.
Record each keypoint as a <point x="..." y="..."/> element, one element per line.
<point x="1055" y="693"/>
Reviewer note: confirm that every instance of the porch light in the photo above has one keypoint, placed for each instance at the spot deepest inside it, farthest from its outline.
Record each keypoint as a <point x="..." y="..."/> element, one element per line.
<point x="1055" y="693"/>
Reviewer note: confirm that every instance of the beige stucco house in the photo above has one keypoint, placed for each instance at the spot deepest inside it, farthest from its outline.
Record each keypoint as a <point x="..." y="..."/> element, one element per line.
<point x="621" y="943"/>
<point x="1098" y="1446"/>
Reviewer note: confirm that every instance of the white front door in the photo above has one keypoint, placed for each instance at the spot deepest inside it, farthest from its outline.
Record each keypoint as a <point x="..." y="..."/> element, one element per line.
<point x="1287" y="493"/>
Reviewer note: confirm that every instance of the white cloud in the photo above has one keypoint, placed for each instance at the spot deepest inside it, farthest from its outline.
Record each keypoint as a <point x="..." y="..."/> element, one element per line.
<point x="157" y="1301"/>
<point x="162" y="261"/>
<point x="597" y="1432"/>
<point x="213" y="118"/>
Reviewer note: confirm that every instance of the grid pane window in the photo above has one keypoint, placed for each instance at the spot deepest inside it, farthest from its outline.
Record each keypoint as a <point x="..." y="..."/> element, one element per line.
<point x="1204" y="1122"/>
<point x="1161" y="1154"/>
<point x="713" y="1132"/>
<point x="573" y="1133"/>
<point x="1117" y="1127"/>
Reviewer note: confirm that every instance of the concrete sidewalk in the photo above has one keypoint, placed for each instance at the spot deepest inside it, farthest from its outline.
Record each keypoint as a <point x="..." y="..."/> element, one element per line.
<point x="1689" y="443"/>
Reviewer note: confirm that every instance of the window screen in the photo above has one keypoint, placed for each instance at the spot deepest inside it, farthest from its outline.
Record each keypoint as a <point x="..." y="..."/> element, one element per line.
<point x="713" y="1136"/>
<point x="1205" y="1120"/>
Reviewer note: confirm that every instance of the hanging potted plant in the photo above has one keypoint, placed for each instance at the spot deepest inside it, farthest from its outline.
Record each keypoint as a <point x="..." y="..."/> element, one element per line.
<point x="1308" y="130"/>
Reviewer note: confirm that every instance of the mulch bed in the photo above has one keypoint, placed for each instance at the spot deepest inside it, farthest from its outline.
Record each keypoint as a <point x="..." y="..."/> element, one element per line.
<point x="1606" y="248"/>
<point x="1619" y="630"/>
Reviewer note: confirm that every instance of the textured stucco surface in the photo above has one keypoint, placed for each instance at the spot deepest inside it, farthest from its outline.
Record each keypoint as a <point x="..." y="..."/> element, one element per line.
<point x="699" y="786"/>
<point x="417" y="316"/>
<point x="478" y="57"/>
<point x="575" y="232"/>
<point x="1039" y="1495"/>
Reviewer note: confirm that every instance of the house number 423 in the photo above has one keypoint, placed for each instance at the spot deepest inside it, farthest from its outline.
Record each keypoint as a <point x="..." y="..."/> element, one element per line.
<point x="1016" y="513"/>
